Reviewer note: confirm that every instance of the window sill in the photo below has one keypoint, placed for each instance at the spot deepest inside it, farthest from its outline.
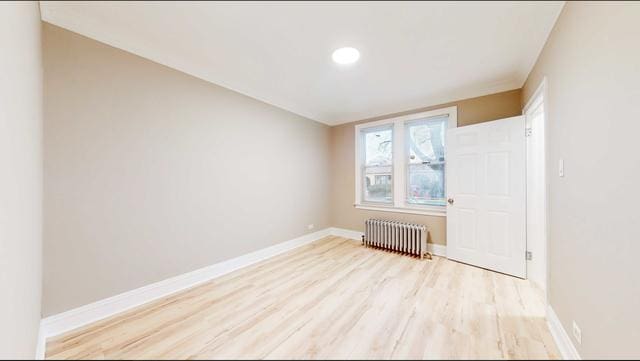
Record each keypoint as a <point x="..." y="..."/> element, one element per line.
<point x="424" y="212"/>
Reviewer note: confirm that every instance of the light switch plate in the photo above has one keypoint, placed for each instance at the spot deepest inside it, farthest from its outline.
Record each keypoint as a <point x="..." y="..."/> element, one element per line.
<point x="561" y="167"/>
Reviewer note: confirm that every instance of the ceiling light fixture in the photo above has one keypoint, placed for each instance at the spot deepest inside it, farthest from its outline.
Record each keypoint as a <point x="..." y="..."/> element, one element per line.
<point x="346" y="55"/>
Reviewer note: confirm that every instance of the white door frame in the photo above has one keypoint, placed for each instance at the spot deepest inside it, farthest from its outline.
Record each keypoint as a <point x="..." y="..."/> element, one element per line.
<point x="542" y="92"/>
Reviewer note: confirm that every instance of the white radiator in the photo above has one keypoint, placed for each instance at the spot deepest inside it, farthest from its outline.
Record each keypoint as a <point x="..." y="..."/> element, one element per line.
<point x="405" y="238"/>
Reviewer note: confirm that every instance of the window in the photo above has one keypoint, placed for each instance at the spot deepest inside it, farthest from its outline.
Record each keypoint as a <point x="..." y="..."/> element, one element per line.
<point x="378" y="165"/>
<point x="401" y="162"/>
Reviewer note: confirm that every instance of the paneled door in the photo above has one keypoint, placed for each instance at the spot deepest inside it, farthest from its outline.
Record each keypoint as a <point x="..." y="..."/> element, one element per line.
<point x="486" y="191"/>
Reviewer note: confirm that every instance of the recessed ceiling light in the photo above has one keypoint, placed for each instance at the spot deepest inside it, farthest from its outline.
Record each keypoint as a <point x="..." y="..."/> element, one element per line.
<point x="346" y="55"/>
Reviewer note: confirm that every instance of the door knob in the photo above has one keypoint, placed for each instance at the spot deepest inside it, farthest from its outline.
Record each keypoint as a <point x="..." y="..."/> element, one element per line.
<point x="450" y="200"/>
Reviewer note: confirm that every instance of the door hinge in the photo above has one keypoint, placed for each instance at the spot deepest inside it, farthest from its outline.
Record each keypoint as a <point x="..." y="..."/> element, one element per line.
<point x="527" y="132"/>
<point x="528" y="255"/>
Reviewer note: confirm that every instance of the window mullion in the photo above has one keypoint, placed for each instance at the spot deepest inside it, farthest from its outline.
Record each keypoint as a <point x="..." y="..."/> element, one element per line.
<point x="399" y="165"/>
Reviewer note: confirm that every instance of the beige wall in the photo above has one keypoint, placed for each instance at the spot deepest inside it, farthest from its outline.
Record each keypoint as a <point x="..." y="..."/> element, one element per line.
<point x="344" y="215"/>
<point x="150" y="173"/>
<point x="20" y="179"/>
<point x="592" y="65"/>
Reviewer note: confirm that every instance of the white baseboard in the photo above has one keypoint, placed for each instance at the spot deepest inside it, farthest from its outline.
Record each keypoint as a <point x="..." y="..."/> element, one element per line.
<point x="346" y="233"/>
<point x="437" y="249"/>
<point x="563" y="341"/>
<point x="41" y="344"/>
<point x="84" y="315"/>
<point x="434" y="249"/>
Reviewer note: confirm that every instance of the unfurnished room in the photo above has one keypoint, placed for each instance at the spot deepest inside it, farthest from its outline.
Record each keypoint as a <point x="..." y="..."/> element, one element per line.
<point x="319" y="180"/>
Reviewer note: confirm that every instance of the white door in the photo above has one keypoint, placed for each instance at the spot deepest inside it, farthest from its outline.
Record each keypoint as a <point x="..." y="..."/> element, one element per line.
<point x="486" y="191"/>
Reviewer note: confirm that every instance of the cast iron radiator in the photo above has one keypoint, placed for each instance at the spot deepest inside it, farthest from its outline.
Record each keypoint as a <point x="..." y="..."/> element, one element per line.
<point x="405" y="238"/>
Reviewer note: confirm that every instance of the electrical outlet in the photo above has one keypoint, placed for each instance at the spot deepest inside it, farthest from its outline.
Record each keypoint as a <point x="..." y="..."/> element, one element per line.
<point x="561" y="167"/>
<point x="311" y="226"/>
<point x="577" y="333"/>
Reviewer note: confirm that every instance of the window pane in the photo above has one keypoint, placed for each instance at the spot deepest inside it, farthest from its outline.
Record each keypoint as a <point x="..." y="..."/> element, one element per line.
<point x="425" y="171"/>
<point x="426" y="140"/>
<point x="426" y="185"/>
<point x="378" y="185"/>
<point x="378" y="147"/>
<point x="378" y="165"/>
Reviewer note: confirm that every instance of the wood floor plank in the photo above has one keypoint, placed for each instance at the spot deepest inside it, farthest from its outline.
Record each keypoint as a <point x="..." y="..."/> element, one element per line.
<point x="332" y="299"/>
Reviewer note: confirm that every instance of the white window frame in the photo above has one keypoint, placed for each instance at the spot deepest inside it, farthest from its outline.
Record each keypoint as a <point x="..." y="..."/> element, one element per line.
<point x="400" y="161"/>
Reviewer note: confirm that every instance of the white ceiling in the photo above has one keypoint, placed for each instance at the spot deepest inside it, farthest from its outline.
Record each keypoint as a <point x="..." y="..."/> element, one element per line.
<point x="413" y="54"/>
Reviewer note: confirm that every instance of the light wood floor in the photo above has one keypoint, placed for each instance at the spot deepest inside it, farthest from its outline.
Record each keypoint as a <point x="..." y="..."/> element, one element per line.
<point x="331" y="299"/>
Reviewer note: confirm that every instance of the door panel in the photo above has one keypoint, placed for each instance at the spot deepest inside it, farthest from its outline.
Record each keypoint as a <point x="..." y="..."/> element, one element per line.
<point x="486" y="181"/>
<point x="498" y="174"/>
<point x="498" y="233"/>
<point x="467" y="228"/>
<point x="467" y="174"/>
